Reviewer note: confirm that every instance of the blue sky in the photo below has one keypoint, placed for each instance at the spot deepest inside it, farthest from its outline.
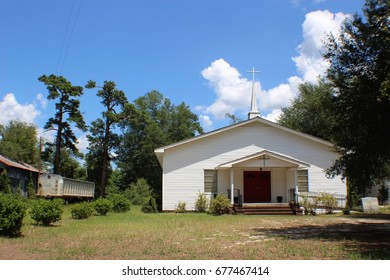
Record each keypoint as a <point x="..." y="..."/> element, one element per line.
<point x="196" y="51"/>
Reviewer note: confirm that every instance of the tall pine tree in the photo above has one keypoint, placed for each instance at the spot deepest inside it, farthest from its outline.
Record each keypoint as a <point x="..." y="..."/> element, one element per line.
<point x="103" y="139"/>
<point x="67" y="112"/>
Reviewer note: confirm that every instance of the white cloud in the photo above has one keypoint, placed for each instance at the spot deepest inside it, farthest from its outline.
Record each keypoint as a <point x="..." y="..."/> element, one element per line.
<point x="274" y="115"/>
<point x="310" y="63"/>
<point x="11" y="110"/>
<point x="281" y="95"/>
<point x="206" y="122"/>
<point x="42" y="100"/>
<point x="233" y="92"/>
<point x="82" y="143"/>
<point x="47" y="135"/>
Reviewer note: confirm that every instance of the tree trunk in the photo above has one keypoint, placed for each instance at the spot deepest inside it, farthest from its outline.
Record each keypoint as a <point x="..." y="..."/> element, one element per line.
<point x="57" y="155"/>
<point x="105" y="160"/>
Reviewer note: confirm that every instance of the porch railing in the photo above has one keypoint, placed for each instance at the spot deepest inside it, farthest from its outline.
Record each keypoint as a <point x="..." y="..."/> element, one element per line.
<point x="341" y="199"/>
<point x="237" y="196"/>
<point x="292" y="196"/>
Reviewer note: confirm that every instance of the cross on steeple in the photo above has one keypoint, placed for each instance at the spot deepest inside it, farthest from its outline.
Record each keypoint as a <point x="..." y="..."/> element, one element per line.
<point x="254" y="112"/>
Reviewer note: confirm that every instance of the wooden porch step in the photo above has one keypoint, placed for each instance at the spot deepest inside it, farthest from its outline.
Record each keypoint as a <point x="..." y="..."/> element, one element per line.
<point x="268" y="213"/>
<point x="264" y="209"/>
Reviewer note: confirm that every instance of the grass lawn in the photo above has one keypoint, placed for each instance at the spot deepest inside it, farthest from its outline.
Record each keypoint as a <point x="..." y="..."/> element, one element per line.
<point x="134" y="235"/>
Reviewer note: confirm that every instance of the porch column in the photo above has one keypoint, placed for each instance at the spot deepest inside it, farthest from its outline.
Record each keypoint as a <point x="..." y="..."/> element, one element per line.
<point x="231" y="186"/>
<point x="296" y="183"/>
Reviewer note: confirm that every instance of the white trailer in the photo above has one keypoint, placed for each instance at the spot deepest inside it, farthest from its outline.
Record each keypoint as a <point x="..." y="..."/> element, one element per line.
<point x="52" y="185"/>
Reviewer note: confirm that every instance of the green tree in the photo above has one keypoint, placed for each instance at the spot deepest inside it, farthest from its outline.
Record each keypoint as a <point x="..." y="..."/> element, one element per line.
<point x="360" y="74"/>
<point x="151" y="122"/>
<point x="114" y="184"/>
<point x="311" y="111"/>
<point x="71" y="166"/>
<point x="138" y="192"/>
<point x="70" y="161"/>
<point x="103" y="139"/>
<point x="19" y="142"/>
<point x="93" y="158"/>
<point x="67" y="112"/>
<point x="31" y="191"/>
<point x="5" y="183"/>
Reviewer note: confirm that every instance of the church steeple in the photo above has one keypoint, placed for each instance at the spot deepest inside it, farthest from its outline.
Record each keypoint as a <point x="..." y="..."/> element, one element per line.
<point x="254" y="112"/>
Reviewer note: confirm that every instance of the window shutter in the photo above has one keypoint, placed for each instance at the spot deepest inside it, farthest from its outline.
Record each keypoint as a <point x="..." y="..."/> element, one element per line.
<point x="303" y="180"/>
<point x="210" y="181"/>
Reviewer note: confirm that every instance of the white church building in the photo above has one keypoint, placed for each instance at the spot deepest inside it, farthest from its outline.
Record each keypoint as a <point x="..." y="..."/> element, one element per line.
<point x="253" y="161"/>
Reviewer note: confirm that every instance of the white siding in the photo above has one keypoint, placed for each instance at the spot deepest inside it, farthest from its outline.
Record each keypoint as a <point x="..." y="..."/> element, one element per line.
<point x="278" y="184"/>
<point x="184" y="165"/>
<point x="290" y="180"/>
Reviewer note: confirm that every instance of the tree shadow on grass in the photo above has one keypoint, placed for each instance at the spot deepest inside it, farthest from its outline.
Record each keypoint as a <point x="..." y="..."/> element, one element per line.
<point x="369" y="239"/>
<point x="375" y="216"/>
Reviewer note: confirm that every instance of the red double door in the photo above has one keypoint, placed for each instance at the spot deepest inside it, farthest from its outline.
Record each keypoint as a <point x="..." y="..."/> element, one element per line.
<point x="257" y="186"/>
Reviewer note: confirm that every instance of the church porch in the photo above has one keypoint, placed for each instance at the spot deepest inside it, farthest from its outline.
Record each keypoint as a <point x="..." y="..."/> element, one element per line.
<point x="264" y="182"/>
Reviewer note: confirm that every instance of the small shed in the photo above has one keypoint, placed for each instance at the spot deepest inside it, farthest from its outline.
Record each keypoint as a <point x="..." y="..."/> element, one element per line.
<point x="19" y="174"/>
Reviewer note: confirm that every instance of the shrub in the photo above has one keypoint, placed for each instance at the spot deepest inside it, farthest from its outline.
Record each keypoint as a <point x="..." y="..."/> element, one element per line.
<point x="45" y="211"/>
<point x="120" y="203"/>
<point x="138" y="192"/>
<point x="81" y="210"/>
<point x="219" y="205"/>
<point x="31" y="189"/>
<point x="181" y="207"/>
<point x="328" y="201"/>
<point x="309" y="204"/>
<point x="149" y="206"/>
<point x="102" y="206"/>
<point x="383" y="194"/>
<point x="353" y="198"/>
<point x="201" y="203"/>
<point x="112" y="189"/>
<point x="12" y="211"/>
<point x="346" y="211"/>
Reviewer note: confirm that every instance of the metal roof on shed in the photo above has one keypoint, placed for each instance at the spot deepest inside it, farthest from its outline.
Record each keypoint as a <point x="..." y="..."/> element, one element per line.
<point x="11" y="163"/>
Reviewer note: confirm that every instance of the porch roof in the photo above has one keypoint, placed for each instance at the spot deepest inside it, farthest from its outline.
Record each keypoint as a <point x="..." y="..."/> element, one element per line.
<point x="294" y="162"/>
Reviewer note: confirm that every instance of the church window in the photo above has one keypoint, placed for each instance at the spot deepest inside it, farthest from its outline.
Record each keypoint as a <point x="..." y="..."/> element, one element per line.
<point x="210" y="181"/>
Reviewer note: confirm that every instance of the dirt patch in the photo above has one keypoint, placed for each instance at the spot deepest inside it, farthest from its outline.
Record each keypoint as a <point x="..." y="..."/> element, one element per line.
<point x="18" y="252"/>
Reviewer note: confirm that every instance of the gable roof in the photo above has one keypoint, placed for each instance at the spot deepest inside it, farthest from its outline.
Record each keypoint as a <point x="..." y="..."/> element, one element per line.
<point x="257" y="155"/>
<point x="160" y="151"/>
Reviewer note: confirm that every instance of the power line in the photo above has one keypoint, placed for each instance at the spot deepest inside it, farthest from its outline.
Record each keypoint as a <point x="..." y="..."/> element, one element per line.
<point x="69" y="31"/>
